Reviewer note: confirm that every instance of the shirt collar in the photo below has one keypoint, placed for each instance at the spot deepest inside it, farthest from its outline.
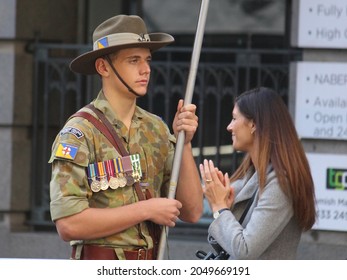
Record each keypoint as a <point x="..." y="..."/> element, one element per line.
<point x="104" y="106"/>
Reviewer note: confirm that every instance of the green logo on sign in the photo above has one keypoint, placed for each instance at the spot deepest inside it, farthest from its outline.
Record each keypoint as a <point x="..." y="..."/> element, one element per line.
<point x="336" y="179"/>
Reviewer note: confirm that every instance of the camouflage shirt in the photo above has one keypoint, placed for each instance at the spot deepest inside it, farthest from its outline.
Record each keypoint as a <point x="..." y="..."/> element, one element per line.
<point x="70" y="190"/>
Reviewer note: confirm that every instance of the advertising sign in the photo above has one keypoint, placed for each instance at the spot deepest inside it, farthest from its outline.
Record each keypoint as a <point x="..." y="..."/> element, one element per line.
<point x="330" y="178"/>
<point x="320" y="100"/>
<point x="320" y="24"/>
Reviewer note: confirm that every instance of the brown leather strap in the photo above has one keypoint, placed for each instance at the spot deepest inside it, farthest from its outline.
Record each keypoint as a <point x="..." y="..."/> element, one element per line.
<point x="110" y="128"/>
<point x="99" y="125"/>
<point x="94" y="252"/>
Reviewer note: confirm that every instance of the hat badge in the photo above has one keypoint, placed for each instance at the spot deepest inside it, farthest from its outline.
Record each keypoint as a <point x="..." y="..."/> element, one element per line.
<point x="102" y="43"/>
<point x="143" y="38"/>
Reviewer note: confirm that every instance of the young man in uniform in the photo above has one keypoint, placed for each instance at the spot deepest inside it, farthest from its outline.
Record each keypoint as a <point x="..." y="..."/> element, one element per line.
<point x="95" y="202"/>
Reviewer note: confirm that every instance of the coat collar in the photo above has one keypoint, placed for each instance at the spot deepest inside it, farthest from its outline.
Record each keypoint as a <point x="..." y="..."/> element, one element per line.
<point x="245" y="187"/>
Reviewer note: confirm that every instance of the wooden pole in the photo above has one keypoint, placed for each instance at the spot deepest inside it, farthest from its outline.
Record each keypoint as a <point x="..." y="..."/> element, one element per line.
<point x="187" y="100"/>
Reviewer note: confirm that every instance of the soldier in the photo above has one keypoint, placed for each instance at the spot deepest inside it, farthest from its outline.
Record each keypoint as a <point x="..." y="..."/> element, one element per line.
<point x="95" y="199"/>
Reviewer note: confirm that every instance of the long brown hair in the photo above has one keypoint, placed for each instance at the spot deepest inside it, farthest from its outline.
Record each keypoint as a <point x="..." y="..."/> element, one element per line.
<point x="278" y="144"/>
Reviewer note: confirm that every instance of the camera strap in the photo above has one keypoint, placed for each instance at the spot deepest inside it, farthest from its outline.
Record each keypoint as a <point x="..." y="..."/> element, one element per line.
<point x="247" y="207"/>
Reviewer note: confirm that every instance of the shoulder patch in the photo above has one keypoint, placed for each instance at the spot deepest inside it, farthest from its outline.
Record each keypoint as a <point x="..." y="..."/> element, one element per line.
<point x="72" y="130"/>
<point x="66" y="151"/>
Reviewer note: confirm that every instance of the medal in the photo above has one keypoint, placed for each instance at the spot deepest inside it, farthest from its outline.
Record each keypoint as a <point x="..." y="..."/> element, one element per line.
<point x="103" y="176"/>
<point x="122" y="180"/>
<point x="104" y="184"/>
<point x="95" y="184"/>
<point x="119" y="170"/>
<point x="128" y="170"/>
<point x="129" y="180"/>
<point x="113" y="181"/>
<point x="136" y="166"/>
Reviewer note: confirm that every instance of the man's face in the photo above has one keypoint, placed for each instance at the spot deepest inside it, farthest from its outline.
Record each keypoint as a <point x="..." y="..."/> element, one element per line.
<point x="133" y="65"/>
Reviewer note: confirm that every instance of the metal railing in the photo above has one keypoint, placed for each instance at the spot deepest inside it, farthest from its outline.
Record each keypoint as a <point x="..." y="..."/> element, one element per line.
<point x="222" y="75"/>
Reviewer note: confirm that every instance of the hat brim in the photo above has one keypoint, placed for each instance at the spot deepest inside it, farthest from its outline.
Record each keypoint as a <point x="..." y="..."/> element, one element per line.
<point x="85" y="63"/>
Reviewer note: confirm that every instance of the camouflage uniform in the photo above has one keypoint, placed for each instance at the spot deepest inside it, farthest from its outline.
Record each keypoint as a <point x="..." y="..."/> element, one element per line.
<point x="70" y="192"/>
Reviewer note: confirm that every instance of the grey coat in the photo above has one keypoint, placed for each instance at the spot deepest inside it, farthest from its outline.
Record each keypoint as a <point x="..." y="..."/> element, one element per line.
<point x="268" y="231"/>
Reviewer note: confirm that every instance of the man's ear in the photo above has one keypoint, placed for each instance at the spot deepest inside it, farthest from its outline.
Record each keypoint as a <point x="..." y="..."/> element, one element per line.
<point x="101" y="67"/>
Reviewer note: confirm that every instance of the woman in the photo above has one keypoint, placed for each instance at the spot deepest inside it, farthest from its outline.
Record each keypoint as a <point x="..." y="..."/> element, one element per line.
<point x="274" y="179"/>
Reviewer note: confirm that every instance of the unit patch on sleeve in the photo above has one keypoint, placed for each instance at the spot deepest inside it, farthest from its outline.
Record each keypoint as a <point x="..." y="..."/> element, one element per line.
<point x="72" y="130"/>
<point x="66" y="151"/>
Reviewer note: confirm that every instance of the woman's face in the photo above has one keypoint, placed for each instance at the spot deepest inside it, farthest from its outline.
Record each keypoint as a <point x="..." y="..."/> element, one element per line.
<point x="242" y="130"/>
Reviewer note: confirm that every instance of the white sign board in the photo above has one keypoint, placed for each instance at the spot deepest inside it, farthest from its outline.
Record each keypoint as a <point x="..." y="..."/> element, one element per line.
<point x="321" y="100"/>
<point x="329" y="174"/>
<point x="320" y="24"/>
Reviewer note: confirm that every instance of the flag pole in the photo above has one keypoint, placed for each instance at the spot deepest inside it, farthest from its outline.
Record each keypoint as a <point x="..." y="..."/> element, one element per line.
<point x="187" y="100"/>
